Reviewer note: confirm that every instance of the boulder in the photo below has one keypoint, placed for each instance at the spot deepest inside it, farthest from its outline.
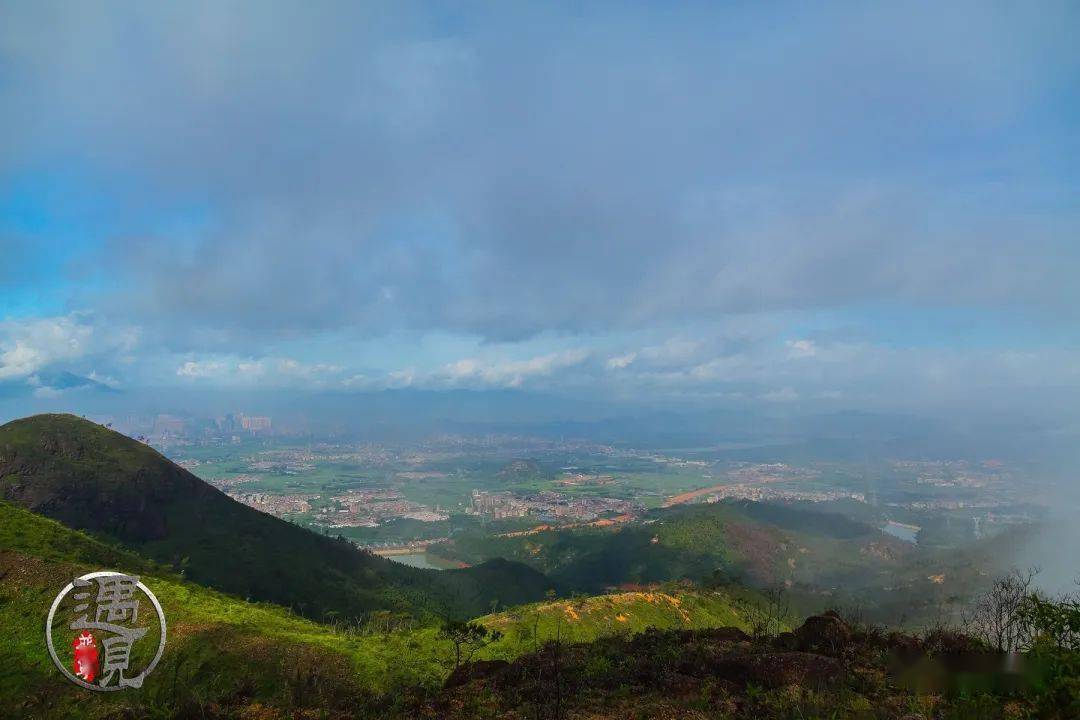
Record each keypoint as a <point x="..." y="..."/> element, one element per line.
<point x="823" y="634"/>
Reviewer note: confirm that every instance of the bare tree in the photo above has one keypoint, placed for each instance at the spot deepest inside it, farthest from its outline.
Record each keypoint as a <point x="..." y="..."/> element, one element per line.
<point x="766" y="618"/>
<point x="996" y="617"/>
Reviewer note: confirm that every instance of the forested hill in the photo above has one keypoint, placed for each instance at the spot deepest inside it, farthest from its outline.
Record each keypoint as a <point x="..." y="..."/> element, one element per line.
<point x="94" y="479"/>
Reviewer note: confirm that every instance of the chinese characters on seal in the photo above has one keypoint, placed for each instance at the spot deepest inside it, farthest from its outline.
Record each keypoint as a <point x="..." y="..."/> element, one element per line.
<point x="116" y="629"/>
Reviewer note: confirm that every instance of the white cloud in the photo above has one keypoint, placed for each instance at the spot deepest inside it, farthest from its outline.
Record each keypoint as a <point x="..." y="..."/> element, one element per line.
<point x="801" y="348"/>
<point x="202" y="369"/>
<point x="274" y="371"/>
<point x="30" y="346"/>
<point x="620" y="362"/>
<point x="20" y="361"/>
<point x="512" y="373"/>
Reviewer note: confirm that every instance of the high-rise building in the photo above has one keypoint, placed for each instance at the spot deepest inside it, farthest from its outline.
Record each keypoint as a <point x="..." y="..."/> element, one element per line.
<point x="255" y="423"/>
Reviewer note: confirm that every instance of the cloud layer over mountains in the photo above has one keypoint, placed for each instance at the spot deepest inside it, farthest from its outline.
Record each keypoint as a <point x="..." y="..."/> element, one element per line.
<point x="780" y="202"/>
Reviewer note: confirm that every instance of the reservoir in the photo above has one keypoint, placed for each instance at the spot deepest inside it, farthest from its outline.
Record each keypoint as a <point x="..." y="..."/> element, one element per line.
<point x="902" y="531"/>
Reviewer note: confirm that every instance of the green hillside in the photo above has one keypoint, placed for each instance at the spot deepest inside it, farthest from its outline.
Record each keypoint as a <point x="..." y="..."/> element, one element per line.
<point x="217" y="645"/>
<point x="91" y="478"/>
<point x="823" y="559"/>
<point x="648" y="652"/>
<point x="229" y="654"/>
<point x="589" y="618"/>
<point x="758" y="543"/>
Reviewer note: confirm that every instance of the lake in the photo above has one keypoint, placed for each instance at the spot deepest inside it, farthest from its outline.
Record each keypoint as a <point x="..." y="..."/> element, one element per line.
<point x="901" y="531"/>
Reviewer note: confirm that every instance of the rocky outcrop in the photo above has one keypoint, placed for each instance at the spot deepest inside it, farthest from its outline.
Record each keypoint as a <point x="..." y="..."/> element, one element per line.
<point x="826" y="634"/>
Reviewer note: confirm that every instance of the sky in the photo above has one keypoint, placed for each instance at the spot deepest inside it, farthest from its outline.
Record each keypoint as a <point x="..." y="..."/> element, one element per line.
<point x="806" y="206"/>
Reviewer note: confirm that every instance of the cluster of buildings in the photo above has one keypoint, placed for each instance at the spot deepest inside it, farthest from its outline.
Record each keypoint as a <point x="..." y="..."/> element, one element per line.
<point x="743" y="491"/>
<point x="953" y="504"/>
<point x="295" y="464"/>
<point x="169" y="430"/>
<point x="496" y="505"/>
<point x="168" y="426"/>
<point x="761" y="473"/>
<point x="224" y="483"/>
<point x="547" y="506"/>
<point x="370" y="508"/>
<point x="277" y="505"/>
<point x="239" y="422"/>
<point x="574" y="479"/>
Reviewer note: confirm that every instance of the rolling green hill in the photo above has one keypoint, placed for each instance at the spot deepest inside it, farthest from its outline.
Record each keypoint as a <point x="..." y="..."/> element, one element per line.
<point x="756" y="543"/>
<point x="226" y="656"/>
<point x="217" y="645"/>
<point x="91" y="478"/>
<point x="585" y="619"/>
<point x="823" y="559"/>
<point x="643" y="652"/>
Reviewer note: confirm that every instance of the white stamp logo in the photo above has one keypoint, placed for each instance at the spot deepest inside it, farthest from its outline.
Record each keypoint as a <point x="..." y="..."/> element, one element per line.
<point x="97" y="636"/>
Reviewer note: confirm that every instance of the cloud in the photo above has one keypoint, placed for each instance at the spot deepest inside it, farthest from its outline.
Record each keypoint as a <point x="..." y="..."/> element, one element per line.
<point x="282" y="372"/>
<point x="801" y="348"/>
<point x="272" y="371"/>
<point x="512" y="373"/>
<point x="30" y="346"/>
<point x="524" y="170"/>
<point x="620" y="362"/>
<point x="611" y="199"/>
<point x="202" y="369"/>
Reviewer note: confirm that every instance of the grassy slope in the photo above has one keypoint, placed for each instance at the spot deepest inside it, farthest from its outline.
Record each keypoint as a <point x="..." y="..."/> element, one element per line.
<point x="225" y="650"/>
<point x="94" y="479"/>
<point x="217" y="646"/>
<point x="588" y="618"/>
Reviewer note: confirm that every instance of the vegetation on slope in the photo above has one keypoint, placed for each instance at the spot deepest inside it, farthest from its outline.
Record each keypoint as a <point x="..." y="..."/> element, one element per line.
<point x="226" y="656"/>
<point x="94" y="479"/>
<point x="221" y="650"/>
<point x="823" y="559"/>
<point x="824" y="669"/>
<point x="655" y="651"/>
<point x="585" y="619"/>
<point x="741" y="541"/>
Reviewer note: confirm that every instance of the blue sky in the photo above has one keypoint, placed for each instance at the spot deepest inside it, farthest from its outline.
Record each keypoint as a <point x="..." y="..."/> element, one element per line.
<point x="836" y="206"/>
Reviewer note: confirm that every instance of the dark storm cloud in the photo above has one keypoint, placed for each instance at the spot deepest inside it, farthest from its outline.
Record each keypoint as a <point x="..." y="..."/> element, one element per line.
<point x="514" y="169"/>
